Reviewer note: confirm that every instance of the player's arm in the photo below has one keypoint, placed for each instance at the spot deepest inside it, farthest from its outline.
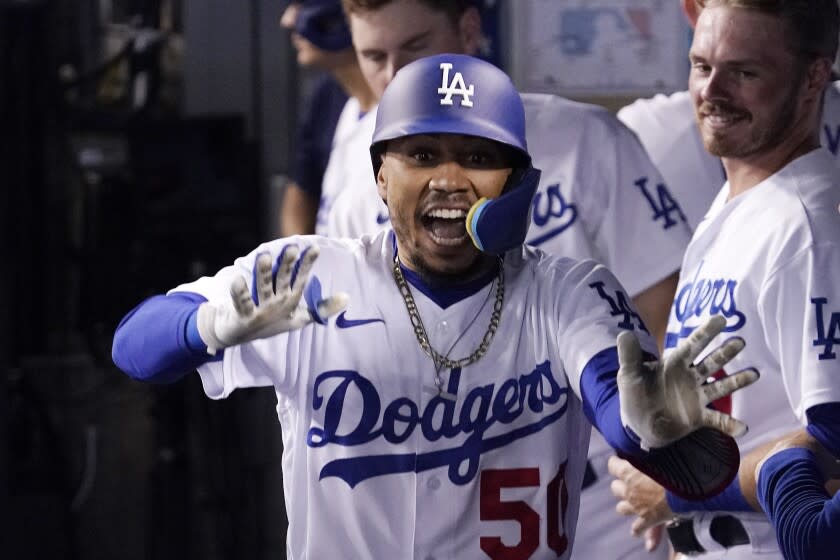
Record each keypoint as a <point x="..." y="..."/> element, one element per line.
<point x="791" y="483"/>
<point x="641" y="496"/>
<point x="156" y="341"/>
<point x="299" y="211"/>
<point x="167" y="336"/>
<point x="653" y="412"/>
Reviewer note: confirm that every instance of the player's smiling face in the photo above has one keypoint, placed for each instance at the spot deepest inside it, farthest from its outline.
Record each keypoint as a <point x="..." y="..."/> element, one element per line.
<point x="746" y="83"/>
<point x="429" y="183"/>
<point x="402" y="31"/>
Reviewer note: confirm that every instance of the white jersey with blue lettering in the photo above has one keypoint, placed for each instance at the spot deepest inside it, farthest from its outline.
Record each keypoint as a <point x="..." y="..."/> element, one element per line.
<point x="668" y="130"/>
<point x="352" y="128"/>
<point x="377" y="464"/>
<point x="600" y="197"/>
<point x="769" y="260"/>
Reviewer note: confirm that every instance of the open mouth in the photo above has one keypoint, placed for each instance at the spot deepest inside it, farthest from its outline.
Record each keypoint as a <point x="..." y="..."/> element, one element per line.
<point x="446" y="226"/>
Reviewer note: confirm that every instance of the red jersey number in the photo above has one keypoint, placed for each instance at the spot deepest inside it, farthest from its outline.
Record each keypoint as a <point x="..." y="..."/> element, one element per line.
<point x="494" y="509"/>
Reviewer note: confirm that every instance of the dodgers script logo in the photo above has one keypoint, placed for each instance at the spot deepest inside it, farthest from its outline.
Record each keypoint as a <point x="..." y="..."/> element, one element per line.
<point x="455" y="87"/>
<point x="555" y="209"/>
<point x="481" y="410"/>
<point x="705" y="297"/>
<point x="828" y="329"/>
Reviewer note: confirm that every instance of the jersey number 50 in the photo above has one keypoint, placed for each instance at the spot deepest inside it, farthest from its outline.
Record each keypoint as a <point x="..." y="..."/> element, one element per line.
<point x="494" y="509"/>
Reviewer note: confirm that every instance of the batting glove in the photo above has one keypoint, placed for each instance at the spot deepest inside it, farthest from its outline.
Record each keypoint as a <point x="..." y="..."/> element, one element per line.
<point x="664" y="401"/>
<point x="275" y="307"/>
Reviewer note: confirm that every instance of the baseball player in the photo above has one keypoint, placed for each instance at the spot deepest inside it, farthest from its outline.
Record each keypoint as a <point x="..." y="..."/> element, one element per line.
<point x="443" y="412"/>
<point x="666" y="127"/>
<point x="600" y="197"/>
<point x="321" y="37"/>
<point x="767" y="253"/>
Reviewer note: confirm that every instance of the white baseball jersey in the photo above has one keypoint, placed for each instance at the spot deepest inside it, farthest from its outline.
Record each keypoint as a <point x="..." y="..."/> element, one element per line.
<point x="769" y="260"/>
<point x="668" y="131"/>
<point x="352" y="130"/>
<point x="599" y="197"/>
<point x="378" y="465"/>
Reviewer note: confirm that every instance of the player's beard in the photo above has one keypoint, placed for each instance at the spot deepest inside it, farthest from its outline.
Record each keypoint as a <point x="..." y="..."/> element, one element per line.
<point x="760" y="137"/>
<point x="479" y="266"/>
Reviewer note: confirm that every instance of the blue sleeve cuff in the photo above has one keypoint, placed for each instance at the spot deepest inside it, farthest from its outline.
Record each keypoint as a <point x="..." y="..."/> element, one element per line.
<point x="731" y="499"/>
<point x="599" y="392"/>
<point x="824" y="425"/>
<point x="191" y="335"/>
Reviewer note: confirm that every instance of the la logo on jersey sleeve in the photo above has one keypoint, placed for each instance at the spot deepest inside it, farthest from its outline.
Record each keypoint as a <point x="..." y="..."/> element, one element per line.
<point x="828" y="329"/>
<point x="620" y="307"/>
<point x="456" y="87"/>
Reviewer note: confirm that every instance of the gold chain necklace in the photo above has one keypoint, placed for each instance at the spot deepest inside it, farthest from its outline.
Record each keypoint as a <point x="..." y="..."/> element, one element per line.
<point x="420" y="331"/>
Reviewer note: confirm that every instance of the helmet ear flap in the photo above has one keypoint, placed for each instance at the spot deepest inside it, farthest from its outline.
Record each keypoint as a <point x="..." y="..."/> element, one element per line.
<point x="500" y="224"/>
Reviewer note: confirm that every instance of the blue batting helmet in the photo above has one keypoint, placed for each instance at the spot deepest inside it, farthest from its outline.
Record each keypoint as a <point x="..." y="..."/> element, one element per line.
<point x="458" y="94"/>
<point x="322" y="23"/>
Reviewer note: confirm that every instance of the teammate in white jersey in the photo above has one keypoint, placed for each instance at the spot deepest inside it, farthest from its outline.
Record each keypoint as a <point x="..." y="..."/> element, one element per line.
<point x="767" y="254"/>
<point x="600" y="197"/>
<point x="666" y="126"/>
<point x="321" y="38"/>
<point x="453" y="28"/>
<point x="443" y="413"/>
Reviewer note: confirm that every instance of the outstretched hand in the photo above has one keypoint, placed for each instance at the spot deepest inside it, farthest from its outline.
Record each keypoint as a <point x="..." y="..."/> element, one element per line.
<point x="664" y="401"/>
<point x="274" y="307"/>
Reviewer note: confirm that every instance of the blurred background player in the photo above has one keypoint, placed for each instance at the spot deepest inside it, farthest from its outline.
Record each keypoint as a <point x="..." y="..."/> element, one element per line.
<point x="600" y="197"/>
<point x="321" y="38"/>
<point x="407" y="448"/>
<point x="766" y="255"/>
<point x="667" y="128"/>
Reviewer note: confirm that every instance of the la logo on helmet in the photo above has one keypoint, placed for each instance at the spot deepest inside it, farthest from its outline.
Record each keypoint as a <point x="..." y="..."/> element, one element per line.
<point x="455" y="87"/>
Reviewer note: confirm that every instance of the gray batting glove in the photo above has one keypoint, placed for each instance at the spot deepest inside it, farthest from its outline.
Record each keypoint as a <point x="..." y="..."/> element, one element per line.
<point x="277" y="309"/>
<point x="666" y="400"/>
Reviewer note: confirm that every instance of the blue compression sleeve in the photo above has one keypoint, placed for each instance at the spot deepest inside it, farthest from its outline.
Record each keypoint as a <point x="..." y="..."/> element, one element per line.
<point x="806" y="519"/>
<point x="824" y="425"/>
<point x="158" y="341"/>
<point x="731" y="499"/>
<point x="599" y="392"/>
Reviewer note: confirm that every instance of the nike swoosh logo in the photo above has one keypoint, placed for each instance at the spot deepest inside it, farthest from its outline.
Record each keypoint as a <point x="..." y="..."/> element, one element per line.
<point x="382" y="218"/>
<point x="343" y="322"/>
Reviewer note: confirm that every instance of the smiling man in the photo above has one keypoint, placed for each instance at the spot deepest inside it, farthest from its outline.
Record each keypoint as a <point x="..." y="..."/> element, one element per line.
<point x="465" y="366"/>
<point x="767" y="254"/>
